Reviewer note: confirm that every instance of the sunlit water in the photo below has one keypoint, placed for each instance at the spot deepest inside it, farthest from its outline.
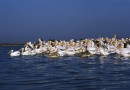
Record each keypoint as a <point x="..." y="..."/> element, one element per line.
<point x="66" y="73"/>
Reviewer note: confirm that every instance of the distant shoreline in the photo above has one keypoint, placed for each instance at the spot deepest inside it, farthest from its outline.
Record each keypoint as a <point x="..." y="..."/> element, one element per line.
<point x="11" y="44"/>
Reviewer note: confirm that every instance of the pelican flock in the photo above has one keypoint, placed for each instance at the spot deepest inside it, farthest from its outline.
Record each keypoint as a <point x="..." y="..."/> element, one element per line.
<point x="83" y="48"/>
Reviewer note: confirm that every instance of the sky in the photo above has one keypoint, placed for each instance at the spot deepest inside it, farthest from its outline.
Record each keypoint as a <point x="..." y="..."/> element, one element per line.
<point x="27" y="20"/>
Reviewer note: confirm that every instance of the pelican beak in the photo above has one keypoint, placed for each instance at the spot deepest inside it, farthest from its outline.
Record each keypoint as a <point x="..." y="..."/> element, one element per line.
<point x="9" y="52"/>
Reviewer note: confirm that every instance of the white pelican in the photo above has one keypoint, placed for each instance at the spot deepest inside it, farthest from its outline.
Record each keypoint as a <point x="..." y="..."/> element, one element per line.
<point x="91" y="48"/>
<point x="26" y="53"/>
<point x="103" y="51"/>
<point x="38" y="50"/>
<point x="14" y="53"/>
<point x="70" y="51"/>
<point x="125" y="52"/>
<point x="128" y="46"/>
<point x="31" y="45"/>
<point x="61" y="52"/>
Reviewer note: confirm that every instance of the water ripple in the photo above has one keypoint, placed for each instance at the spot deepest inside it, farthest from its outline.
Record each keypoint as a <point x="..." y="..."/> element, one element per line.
<point x="69" y="73"/>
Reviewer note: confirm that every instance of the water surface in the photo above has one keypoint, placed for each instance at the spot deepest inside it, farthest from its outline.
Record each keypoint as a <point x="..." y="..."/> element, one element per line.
<point x="66" y="73"/>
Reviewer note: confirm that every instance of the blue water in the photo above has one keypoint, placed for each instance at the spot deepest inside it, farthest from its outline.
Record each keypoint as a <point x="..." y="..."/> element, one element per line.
<point x="68" y="73"/>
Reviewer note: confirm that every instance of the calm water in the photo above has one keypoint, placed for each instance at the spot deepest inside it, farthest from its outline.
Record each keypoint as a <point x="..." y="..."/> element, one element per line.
<point x="69" y="73"/>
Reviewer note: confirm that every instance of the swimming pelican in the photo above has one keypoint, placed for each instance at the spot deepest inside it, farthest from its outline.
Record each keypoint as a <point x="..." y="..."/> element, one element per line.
<point x="26" y="53"/>
<point x="14" y="53"/>
<point x="125" y="52"/>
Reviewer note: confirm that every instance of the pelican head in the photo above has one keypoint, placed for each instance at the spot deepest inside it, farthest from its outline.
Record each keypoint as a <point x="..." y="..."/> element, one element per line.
<point x="10" y="51"/>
